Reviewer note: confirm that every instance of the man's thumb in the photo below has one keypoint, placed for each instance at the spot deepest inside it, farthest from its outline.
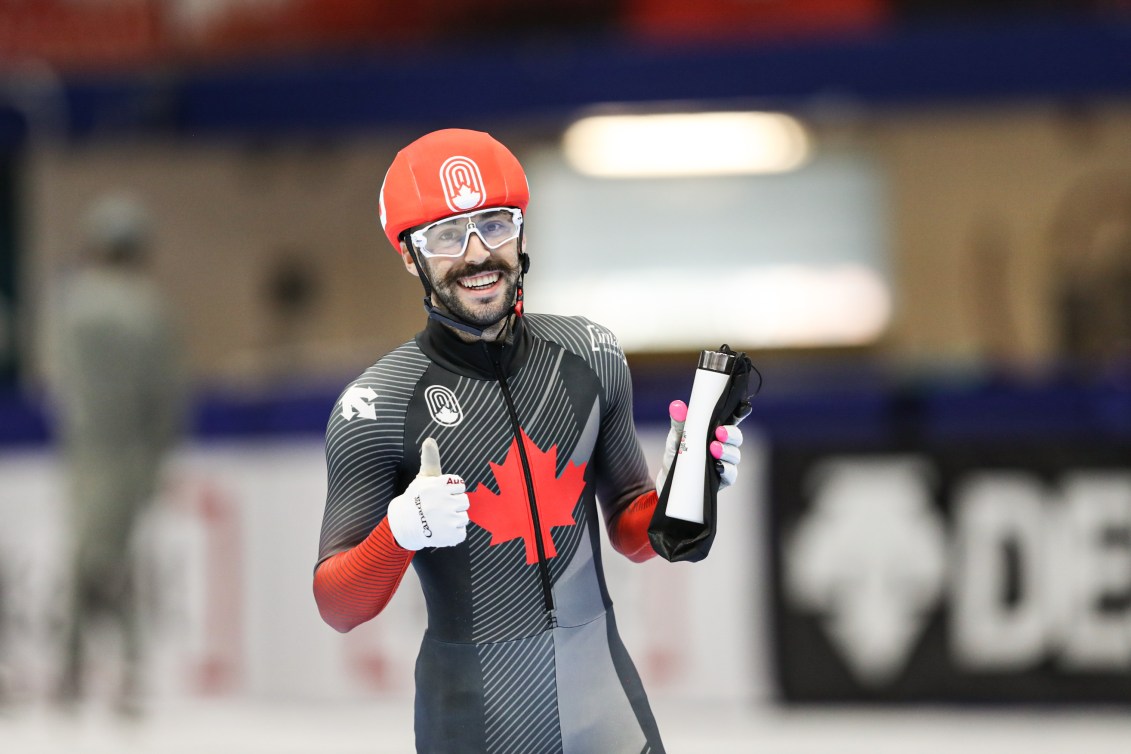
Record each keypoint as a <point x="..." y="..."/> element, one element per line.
<point x="429" y="458"/>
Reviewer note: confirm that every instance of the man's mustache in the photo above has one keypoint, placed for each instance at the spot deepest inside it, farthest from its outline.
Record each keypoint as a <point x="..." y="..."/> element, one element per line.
<point x="480" y="269"/>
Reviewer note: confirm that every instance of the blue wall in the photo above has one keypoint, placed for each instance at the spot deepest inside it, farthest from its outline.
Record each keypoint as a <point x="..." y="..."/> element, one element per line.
<point x="541" y="79"/>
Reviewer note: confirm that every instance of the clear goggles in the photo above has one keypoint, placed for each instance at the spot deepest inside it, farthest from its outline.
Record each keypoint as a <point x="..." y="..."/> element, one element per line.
<point x="449" y="237"/>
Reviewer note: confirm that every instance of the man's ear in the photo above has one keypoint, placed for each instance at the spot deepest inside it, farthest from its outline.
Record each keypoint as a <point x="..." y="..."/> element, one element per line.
<point x="409" y="264"/>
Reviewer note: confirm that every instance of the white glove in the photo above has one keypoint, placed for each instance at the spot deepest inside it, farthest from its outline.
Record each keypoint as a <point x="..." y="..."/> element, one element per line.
<point x="432" y="512"/>
<point x="724" y="448"/>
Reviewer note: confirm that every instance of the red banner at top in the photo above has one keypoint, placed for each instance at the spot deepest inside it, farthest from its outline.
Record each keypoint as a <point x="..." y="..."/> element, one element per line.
<point x="723" y="19"/>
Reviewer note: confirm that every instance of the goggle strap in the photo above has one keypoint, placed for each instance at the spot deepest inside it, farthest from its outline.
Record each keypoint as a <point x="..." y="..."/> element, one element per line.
<point x="406" y="237"/>
<point x="523" y="267"/>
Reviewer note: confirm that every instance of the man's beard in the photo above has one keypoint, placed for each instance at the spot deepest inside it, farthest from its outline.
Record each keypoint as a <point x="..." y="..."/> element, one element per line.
<point x="484" y="314"/>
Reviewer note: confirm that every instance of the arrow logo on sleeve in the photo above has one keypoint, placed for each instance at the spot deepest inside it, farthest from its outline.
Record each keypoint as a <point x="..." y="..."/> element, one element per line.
<point x="356" y="402"/>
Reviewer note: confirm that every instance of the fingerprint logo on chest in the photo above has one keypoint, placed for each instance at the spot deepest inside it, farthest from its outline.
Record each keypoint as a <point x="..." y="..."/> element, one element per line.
<point x="443" y="405"/>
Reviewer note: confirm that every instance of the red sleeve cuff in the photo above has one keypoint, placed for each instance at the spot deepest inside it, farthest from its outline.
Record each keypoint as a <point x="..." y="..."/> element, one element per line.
<point x="628" y="531"/>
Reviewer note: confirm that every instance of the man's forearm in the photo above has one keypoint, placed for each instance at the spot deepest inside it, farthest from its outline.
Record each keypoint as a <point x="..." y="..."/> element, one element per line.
<point x="353" y="586"/>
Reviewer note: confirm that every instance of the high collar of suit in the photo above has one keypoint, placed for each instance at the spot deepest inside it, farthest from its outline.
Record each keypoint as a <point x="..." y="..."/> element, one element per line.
<point x="477" y="358"/>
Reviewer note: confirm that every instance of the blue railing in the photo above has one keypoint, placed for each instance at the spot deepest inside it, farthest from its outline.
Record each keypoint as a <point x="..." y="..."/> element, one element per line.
<point x="845" y="412"/>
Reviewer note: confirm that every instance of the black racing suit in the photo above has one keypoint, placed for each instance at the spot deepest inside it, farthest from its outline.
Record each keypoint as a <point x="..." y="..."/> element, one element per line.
<point x="522" y="652"/>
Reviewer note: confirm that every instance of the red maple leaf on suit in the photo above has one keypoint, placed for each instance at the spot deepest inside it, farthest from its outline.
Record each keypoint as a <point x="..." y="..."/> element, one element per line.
<point x="507" y="514"/>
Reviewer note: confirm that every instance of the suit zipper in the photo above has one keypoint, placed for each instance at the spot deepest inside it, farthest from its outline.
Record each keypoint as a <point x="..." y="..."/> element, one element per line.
<point x="516" y="429"/>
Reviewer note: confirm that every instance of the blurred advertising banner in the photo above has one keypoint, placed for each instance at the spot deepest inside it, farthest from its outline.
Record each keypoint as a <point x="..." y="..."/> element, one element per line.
<point x="226" y="559"/>
<point x="957" y="573"/>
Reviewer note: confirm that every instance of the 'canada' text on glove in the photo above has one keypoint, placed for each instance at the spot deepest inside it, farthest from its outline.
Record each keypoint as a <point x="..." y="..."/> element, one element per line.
<point x="432" y="512"/>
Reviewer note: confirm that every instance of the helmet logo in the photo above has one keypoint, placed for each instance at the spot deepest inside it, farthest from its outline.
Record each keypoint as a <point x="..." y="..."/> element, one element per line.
<point x="462" y="183"/>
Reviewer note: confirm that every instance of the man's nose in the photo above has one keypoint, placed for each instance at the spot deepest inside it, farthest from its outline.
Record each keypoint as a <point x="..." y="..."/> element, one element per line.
<point x="477" y="252"/>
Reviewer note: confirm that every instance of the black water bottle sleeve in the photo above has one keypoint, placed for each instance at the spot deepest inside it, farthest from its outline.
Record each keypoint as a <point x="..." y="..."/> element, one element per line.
<point x="675" y="539"/>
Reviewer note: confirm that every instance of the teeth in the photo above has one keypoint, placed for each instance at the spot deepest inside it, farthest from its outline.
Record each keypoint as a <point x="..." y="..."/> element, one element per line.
<point x="480" y="281"/>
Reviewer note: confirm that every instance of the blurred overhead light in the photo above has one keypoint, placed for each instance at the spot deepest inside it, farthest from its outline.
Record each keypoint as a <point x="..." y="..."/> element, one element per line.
<point x="687" y="144"/>
<point x="769" y="306"/>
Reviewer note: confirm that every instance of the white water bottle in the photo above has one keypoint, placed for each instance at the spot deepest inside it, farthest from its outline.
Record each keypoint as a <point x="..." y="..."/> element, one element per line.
<point x="686" y="493"/>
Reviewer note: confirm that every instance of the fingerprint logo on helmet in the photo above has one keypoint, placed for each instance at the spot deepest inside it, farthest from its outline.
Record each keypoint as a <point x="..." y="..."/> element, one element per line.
<point x="462" y="183"/>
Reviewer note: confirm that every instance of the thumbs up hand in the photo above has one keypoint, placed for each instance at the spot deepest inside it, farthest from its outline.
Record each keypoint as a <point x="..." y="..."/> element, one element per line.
<point x="432" y="512"/>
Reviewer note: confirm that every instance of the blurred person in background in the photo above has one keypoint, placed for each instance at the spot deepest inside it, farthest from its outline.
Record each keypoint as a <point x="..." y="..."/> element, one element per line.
<point x="117" y="389"/>
<point x="532" y="417"/>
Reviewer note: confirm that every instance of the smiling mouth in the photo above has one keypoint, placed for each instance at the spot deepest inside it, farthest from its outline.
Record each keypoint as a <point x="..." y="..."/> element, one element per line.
<point x="480" y="282"/>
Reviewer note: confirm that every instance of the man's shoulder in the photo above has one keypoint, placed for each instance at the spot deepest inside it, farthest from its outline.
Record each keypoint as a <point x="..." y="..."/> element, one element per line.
<point x="406" y="356"/>
<point x="579" y="334"/>
<point x="391" y="378"/>
<point x="562" y="325"/>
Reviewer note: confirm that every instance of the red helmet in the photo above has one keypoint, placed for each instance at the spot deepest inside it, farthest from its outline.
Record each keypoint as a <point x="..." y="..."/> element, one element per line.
<point x="445" y="173"/>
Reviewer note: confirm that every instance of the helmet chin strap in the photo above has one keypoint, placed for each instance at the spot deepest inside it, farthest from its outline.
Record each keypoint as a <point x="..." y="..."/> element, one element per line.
<point x="455" y="322"/>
